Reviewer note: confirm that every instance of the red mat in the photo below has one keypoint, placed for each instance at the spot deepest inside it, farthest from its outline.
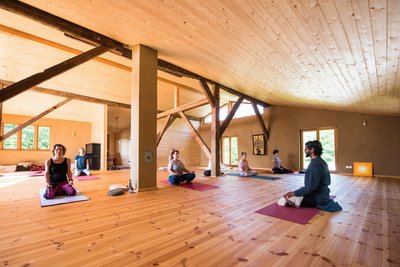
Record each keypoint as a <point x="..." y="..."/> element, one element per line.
<point x="82" y="178"/>
<point x="300" y="215"/>
<point x="297" y="215"/>
<point x="194" y="186"/>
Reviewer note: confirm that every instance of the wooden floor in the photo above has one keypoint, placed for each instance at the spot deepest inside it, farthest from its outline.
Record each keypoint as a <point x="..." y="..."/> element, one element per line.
<point x="174" y="226"/>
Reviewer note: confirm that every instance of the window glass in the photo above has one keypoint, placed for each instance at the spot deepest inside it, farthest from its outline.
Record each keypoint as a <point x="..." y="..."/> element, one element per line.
<point x="12" y="141"/>
<point x="28" y="137"/>
<point x="43" y="137"/>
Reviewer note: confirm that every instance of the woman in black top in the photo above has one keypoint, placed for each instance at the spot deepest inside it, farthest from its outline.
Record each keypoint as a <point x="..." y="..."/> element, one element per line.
<point x="58" y="174"/>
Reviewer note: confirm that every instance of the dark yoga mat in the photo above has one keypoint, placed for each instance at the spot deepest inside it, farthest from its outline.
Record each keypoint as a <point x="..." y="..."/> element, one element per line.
<point x="194" y="186"/>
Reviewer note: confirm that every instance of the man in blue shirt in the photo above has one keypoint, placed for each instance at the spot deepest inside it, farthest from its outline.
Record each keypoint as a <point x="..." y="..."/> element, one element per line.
<point x="317" y="178"/>
<point x="81" y="163"/>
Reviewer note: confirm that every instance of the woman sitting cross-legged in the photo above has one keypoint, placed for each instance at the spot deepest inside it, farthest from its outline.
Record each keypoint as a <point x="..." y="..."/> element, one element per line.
<point x="177" y="170"/>
<point x="244" y="167"/>
<point x="58" y="174"/>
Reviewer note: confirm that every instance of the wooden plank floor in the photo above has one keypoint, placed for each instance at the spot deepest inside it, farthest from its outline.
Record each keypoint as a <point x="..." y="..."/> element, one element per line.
<point x="174" y="226"/>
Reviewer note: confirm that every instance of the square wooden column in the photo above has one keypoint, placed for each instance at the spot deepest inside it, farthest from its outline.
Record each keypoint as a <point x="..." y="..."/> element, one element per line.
<point x="215" y="135"/>
<point x="143" y="145"/>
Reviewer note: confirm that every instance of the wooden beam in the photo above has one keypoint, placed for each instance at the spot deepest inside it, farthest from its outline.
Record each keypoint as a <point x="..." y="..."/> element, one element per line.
<point x="170" y="120"/>
<point x="59" y="46"/>
<point x="260" y="120"/>
<point x="215" y="135"/>
<point x="196" y="136"/>
<point x="23" y="85"/>
<point x="23" y="125"/>
<point x="208" y="93"/>
<point x="65" y="26"/>
<point x="73" y="96"/>
<point x="185" y="107"/>
<point x="229" y="117"/>
<point x="89" y="36"/>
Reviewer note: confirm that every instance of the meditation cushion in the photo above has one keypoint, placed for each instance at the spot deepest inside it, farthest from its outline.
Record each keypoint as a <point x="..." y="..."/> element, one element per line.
<point x="118" y="186"/>
<point x="115" y="192"/>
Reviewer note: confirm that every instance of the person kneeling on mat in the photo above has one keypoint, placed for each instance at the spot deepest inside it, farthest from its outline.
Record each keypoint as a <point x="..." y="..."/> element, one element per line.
<point x="82" y="163"/>
<point x="177" y="170"/>
<point x="58" y="174"/>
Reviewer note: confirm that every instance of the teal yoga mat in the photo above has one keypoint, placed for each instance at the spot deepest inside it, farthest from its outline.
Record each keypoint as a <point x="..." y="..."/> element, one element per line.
<point x="271" y="178"/>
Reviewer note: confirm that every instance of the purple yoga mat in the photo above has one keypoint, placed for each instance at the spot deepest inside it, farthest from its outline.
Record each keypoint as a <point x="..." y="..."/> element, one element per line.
<point x="291" y="214"/>
<point x="81" y="178"/>
<point x="300" y="215"/>
<point x="194" y="186"/>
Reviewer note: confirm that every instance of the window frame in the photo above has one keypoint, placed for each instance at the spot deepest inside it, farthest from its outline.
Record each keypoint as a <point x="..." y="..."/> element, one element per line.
<point x="19" y="138"/>
<point x="317" y="130"/>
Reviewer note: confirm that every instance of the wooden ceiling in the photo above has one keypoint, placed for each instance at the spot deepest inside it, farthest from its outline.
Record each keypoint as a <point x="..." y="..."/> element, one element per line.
<point x="336" y="55"/>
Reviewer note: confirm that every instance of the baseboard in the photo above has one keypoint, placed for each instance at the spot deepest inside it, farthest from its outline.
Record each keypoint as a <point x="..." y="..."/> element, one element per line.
<point x="374" y="176"/>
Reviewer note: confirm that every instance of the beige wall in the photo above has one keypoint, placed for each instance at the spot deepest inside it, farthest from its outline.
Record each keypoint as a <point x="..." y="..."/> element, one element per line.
<point x="99" y="134"/>
<point x="72" y="134"/>
<point x="378" y="142"/>
<point x="178" y="137"/>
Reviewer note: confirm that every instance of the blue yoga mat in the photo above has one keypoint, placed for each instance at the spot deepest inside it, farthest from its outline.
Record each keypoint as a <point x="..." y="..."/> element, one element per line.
<point x="255" y="176"/>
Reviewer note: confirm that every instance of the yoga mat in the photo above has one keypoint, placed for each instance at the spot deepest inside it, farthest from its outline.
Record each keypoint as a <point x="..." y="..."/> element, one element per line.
<point x="271" y="178"/>
<point x="60" y="199"/>
<point x="194" y="186"/>
<point x="32" y="174"/>
<point x="300" y="215"/>
<point x="90" y="177"/>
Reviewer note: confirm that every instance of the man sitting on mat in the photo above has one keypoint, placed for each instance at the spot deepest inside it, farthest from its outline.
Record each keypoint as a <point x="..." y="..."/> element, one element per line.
<point x="58" y="174"/>
<point x="177" y="170"/>
<point x="244" y="167"/>
<point x="82" y="163"/>
<point x="317" y="178"/>
<point x="278" y="167"/>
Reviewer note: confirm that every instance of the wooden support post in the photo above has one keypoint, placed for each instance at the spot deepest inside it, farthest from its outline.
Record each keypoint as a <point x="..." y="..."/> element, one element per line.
<point x="143" y="147"/>
<point x="215" y="134"/>
<point x="23" y="85"/>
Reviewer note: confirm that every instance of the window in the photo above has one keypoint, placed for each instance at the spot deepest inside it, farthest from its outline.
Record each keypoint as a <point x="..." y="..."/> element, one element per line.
<point x="12" y="141"/>
<point x="27" y="139"/>
<point x="230" y="150"/>
<point x="223" y="112"/>
<point x="244" y="110"/>
<point x="327" y="137"/>
<point x="43" y="138"/>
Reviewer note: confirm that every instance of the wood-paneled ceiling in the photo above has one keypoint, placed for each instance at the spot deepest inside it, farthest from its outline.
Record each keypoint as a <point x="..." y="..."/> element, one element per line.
<point x="327" y="54"/>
